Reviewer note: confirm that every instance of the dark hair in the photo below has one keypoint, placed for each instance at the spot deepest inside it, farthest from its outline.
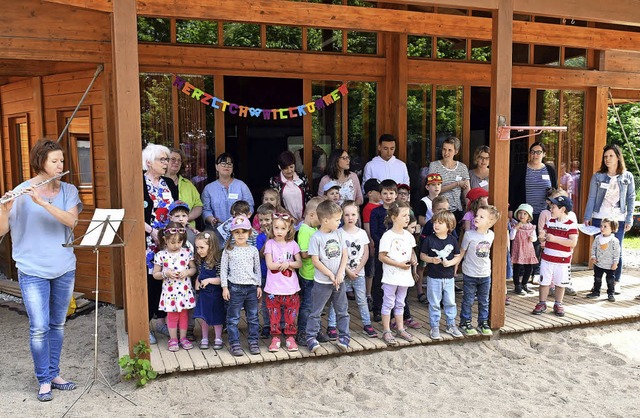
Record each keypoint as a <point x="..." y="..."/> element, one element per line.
<point x="240" y="207"/>
<point x="327" y="208"/>
<point x="332" y="164"/>
<point x="166" y="234"/>
<point x="388" y="184"/>
<point x="612" y="223"/>
<point x="285" y="159"/>
<point x="222" y="158"/>
<point x="40" y="153"/>
<point x="386" y="138"/>
<point x="622" y="167"/>
<point x="538" y="144"/>
<point x="265" y="209"/>
<point x="179" y="209"/>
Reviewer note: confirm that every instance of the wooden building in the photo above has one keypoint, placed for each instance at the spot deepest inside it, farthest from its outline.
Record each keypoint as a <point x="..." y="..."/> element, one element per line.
<point x="419" y="69"/>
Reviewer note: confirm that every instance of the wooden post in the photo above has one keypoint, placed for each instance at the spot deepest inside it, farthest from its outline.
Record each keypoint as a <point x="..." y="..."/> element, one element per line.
<point x="501" y="73"/>
<point x="126" y="91"/>
<point x="395" y="102"/>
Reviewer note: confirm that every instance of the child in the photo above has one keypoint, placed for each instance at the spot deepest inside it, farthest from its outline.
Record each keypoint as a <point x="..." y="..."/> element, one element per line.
<point x="174" y="266"/>
<point x="282" y="255"/>
<point x="240" y="281"/>
<point x="308" y="227"/>
<point x="477" y="197"/>
<point x="441" y="253"/>
<point x="264" y="216"/>
<point x="210" y="306"/>
<point x="605" y="253"/>
<point x="397" y="257"/>
<point x="357" y="254"/>
<point x="269" y="196"/>
<point x="328" y="252"/>
<point x="238" y="208"/>
<point x="523" y="254"/>
<point x="332" y="192"/>
<point x="476" y="270"/>
<point x="434" y="185"/>
<point x="404" y="193"/>
<point x="560" y="236"/>
<point x="373" y="195"/>
<point x="388" y="192"/>
<point x="179" y="212"/>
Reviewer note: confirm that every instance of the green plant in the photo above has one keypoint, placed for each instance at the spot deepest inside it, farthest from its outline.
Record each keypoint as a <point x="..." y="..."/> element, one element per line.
<point x="136" y="367"/>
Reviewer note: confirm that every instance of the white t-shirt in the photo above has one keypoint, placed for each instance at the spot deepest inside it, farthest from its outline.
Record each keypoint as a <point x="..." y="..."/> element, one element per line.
<point x="356" y="244"/>
<point x="398" y="247"/>
<point x="477" y="261"/>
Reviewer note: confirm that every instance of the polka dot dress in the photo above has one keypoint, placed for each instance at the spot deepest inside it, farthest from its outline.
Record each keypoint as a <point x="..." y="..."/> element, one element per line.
<point x="177" y="294"/>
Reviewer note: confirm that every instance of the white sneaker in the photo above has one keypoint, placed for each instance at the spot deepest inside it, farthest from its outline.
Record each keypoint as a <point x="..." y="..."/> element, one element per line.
<point x="434" y="334"/>
<point x="454" y="331"/>
<point x="152" y="338"/>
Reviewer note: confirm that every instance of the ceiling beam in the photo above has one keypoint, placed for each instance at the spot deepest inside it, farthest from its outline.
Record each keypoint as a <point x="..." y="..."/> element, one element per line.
<point x="34" y="68"/>
<point x="96" y="5"/>
<point x="55" y="50"/>
<point x="624" y="12"/>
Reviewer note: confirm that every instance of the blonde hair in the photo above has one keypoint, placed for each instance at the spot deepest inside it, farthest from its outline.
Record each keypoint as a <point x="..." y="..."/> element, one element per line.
<point x="394" y="211"/>
<point x="493" y="212"/>
<point x="446" y="218"/>
<point x="291" y="231"/>
<point x="312" y="204"/>
<point x="274" y="192"/>
<point x="212" y="258"/>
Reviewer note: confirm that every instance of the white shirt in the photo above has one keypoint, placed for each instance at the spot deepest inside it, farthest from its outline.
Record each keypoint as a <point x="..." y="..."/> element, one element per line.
<point x="398" y="247"/>
<point x="380" y="169"/>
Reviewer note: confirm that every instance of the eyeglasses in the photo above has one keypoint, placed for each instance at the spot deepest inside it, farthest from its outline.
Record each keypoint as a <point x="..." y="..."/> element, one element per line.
<point x="163" y="160"/>
<point x="281" y="216"/>
<point x="403" y="193"/>
<point x="226" y="164"/>
<point x="176" y="160"/>
<point x="345" y="158"/>
<point x="168" y="231"/>
<point x="483" y="158"/>
<point x="536" y="152"/>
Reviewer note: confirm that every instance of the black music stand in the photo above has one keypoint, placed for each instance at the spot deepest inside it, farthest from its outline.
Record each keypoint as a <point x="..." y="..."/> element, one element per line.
<point x="102" y="232"/>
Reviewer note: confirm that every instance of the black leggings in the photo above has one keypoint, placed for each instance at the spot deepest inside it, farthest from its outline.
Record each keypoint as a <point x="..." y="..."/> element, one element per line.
<point x="525" y="271"/>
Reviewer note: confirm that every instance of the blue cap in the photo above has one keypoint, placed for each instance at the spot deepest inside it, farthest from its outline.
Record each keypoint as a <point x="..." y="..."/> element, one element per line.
<point x="178" y="204"/>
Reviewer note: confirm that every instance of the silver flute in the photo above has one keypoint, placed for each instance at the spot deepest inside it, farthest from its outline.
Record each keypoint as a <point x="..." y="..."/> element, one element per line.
<point x="11" y="195"/>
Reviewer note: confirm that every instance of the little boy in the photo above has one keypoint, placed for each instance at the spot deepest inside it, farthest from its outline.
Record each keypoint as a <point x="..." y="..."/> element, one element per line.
<point x="433" y="186"/>
<point x="441" y="252"/>
<point x="179" y="212"/>
<point x="332" y="191"/>
<point x="373" y="196"/>
<point x="476" y="270"/>
<point x="605" y="254"/>
<point x="238" y="208"/>
<point x="328" y="252"/>
<point x="265" y="217"/>
<point x="560" y="236"/>
<point x="308" y="227"/>
<point x="404" y="193"/>
<point x="388" y="192"/>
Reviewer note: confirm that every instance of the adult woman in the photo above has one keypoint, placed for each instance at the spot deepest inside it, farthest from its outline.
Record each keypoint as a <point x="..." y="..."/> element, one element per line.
<point x="39" y="223"/>
<point x="479" y="176"/>
<point x="218" y="196"/>
<point x="338" y="170"/>
<point x="293" y="187"/>
<point x="159" y="193"/>
<point x="612" y="194"/>
<point x="187" y="192"/>
<point x="455" y="176"/>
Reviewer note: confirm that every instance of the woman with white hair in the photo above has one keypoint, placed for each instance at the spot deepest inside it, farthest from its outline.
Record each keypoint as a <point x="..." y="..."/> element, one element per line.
<point x="159" y="193"/>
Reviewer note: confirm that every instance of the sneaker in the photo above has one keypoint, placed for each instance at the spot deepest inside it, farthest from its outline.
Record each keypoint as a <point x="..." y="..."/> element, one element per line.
<point x="275" y="345"/>
<point x="458" y="289"/>
<point x="611" y="298"/>
<point x="540" y="308"/>
<point x="412" y="323"/>
<point x="370" y="303"/>
<point x="254" y="348"/>
<point x="453" y="331"/>
<point x="558" y="309"/>
<point x="371" y="332"/>
<point x="484" y="328"/>
<point x="570" y="291"/>
<point x="164" y="329"/>
<point x="322" y="337"/>
<point x="593" y="295"/>
<point x="152" y="338"/>
<point x="332" y="333"/>
<point x="301" y="340"/>
<point x="468" y="329"/>
<point x="434" y="334"/>
<point x="343" y="344"/>
<point x="313" y="345"/>
<point x="236" y="350"/>
<point x="290" y="344"/>
<point x="518" y="290"/>
<point x="526" y="289"/>
<point x="266" y="333"/>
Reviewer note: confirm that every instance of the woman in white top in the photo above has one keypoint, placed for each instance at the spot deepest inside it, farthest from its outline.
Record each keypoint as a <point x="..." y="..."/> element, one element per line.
<point x="338" y="170"/>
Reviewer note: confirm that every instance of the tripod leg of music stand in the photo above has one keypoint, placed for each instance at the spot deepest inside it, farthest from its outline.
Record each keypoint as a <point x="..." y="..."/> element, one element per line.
<point x="105" y="382"/>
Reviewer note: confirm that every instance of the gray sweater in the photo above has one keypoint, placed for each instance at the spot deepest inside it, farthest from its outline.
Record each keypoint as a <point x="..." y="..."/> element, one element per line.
<point x="606" y="257"/>
<point x="241" y="265"/>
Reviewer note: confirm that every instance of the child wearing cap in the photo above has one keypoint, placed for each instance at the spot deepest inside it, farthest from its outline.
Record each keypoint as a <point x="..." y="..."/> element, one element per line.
<point x="560" y="236"/>
<point x="332" y="191"/>
<point x="373" y="195"/>
<point x="476" y="197"/>
<point x="523" y="254"/>
<point x="179" y="212"/>
<point x="433" y="186"/>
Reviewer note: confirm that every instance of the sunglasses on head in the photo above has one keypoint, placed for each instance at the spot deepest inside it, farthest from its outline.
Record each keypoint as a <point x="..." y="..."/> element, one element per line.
<point x="281" y="216"/>
<point x="174" y="231"/>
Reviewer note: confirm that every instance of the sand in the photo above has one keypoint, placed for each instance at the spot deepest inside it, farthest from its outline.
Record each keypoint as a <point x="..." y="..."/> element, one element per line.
<point x="573" y="373"/>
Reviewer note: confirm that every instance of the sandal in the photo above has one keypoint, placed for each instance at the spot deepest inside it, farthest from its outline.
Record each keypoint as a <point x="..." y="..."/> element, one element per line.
<point x="173" y="345"/>
<point x="389" y="339"/>
<point x="217" y="344"/>
<point x="186" y="344"/>
<point x="204" y="344"/>
<point x="422" y="298"/>
<point x="404" y="335"/>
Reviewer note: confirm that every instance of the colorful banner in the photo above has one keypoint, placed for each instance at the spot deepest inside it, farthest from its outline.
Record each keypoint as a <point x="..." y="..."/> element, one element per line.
<point x="246" y="111"/>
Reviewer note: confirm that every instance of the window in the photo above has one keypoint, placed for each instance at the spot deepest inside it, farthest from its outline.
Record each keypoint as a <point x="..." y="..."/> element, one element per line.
<point x="361" y="121"/>
<point x="327" y="128"/>
<point x="448" y="117"/>
<point x="153" y="30"/>
<point x="453" y="49"/>
<point x="242" y="35"/>
<point x="419" y="124"/>
<point x="19" y="148"/>
<point x="78" y="152"/>
<point x="419" y="46"/>
<point x="200" y="32"/>
<point x="156" y="105"/>
<point x="326" y="40"/>
<point x="284" y="37"/>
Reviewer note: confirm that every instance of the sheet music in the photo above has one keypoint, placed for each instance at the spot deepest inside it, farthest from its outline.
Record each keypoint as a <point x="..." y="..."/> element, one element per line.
<point x="588" y="230"/>
<point x="96" y="226"/>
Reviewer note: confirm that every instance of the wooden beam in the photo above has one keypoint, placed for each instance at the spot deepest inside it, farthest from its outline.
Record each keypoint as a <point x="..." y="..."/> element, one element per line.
<point x="624" y="12"/>
<point x="130" y="184"/>
<point x="500" y="150"/>
<point x="55" y="50"/>
<point x="96" y="5"/>
<point x="34" y="68"/>
<point x="38" y="107"/>
<point x="220" y="138"/>
<point x="474" y="4"/>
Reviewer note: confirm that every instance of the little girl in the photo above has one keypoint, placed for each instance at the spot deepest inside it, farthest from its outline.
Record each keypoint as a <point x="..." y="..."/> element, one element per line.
<point x="397" y="257"/>
<point x="272" y="197"/>
<point x="523" y="254"/>
<point x="282" y="255"/>
<point x="477" y="197"/>
<point x="174" y="265"/>
<point x="605" y="253"/>
<point x="210" y="306"/>
<point x="240" y="281"/>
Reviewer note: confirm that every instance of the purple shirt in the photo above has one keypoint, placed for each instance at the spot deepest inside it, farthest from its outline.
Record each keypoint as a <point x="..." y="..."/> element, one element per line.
<point x="279" y="283"/>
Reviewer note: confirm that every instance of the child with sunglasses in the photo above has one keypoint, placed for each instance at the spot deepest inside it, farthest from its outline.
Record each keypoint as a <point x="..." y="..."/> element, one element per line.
<point x="174" y="265"/>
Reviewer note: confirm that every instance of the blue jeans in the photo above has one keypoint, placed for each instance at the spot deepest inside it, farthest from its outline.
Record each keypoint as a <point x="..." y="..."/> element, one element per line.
<point x="306" y="288"/>
<point x="47" y="302"/>
<point x="323" y="293"/>
<point x="441" y="290"/>
<point x="242" y="295"/>
<point x="359" y="286"/>
<point x="471" y="286"/>
<point x="620" y="235"/>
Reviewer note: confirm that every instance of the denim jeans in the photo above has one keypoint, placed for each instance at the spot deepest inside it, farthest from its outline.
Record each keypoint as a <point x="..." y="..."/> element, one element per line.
<point x="47" y="302"/>
<point x="441" y="290"/>
<point x="471" y="286"/>
<point x="306" y="288"/>
<point x="242" y="295"/>
<point x="323" y="293"/>
<point x="359" y="286"/>
<point x="620" y="235"/>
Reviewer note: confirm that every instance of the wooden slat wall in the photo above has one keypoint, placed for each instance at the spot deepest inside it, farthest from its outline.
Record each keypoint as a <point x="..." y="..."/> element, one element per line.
<point x="620" y="61"/>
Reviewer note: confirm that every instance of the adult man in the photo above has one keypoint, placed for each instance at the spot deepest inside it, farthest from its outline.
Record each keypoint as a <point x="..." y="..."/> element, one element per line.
<point x="386" y="165"/>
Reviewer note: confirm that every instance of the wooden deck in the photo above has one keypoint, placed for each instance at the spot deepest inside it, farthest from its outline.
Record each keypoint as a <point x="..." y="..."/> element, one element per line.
<point x="579" y="312"/>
